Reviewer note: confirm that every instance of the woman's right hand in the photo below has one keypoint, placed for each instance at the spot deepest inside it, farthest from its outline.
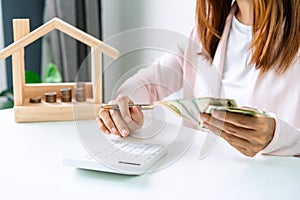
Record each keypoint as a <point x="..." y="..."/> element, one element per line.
<point x="120" y="122"/>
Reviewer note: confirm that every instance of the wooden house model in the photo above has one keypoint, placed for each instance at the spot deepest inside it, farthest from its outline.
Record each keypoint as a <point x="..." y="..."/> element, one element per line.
<point x="28" y="112"/>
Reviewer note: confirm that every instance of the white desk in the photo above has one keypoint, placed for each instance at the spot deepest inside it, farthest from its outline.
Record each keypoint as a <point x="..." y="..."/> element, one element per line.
<point x="31" y="168"/>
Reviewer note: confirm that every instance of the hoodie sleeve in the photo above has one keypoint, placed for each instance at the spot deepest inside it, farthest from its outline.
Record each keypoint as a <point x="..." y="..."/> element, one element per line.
<point x="158" y="80"/>
<point x="286" y="140"/>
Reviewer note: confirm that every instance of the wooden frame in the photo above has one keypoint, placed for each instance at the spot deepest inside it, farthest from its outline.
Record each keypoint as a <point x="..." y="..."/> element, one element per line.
<point x="59" y="111"/>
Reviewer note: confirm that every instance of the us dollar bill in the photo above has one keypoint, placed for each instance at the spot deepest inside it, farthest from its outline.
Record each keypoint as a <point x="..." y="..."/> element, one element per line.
<point x="244" y="111"/>
<point x="190" y="109"/>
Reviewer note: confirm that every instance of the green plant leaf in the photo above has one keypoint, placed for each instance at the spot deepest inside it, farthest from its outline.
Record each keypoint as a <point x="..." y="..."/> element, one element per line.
<point x="4" y="92"/>
<point x="32" y="77"/>
<point x="6" y="104"/>
<point x="9" y="102"/>
<point x="52" y="74"/>
<point x="8" y="93"/>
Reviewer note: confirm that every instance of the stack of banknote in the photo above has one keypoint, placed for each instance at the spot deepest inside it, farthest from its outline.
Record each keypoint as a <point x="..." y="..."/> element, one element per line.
<point x="190" y="108"/>
<point x="244" y="110"/>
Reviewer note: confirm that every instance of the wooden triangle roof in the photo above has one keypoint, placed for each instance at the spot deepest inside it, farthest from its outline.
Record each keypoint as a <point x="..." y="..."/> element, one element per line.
<point x="64" y="27"/>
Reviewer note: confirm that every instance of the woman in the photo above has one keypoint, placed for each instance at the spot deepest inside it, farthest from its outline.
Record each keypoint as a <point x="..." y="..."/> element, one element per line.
<point x="255" y="46"/>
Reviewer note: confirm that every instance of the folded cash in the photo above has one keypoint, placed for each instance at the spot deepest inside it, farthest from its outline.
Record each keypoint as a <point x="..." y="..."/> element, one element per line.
<point x="191" y="108"/>
<point x="244" y="111"/>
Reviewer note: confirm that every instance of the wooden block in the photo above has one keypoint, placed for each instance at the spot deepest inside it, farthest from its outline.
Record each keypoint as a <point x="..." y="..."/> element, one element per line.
<point x="32" y="90"/>
<point x="96" y="57"/>
<point x="28" y="39"/>
<point x="46" y="112"/>
<point x="51" y="25"/>
<point x="21" y="29"/>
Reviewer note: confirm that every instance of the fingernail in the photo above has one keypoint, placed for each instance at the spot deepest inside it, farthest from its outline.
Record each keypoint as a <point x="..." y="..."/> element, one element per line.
<point x="204" y="117"/>
<point x="124" y="133"/>
<point x="113" y="129"/>
<point x="135" y="109"/>
<point x="107" y="132"/>
<point x="216" y="114"/>
<point x="127" y="119"/>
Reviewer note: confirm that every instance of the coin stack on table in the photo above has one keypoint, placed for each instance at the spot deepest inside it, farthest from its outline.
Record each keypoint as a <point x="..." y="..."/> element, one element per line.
<point x="80" y="92"/>
<point x="50" y="97"/>
<point x="35" y="100"/>
<point x="66" y="94"/>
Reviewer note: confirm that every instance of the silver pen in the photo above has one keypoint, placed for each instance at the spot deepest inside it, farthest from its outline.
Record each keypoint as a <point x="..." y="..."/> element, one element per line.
<point x="116" y="107"/>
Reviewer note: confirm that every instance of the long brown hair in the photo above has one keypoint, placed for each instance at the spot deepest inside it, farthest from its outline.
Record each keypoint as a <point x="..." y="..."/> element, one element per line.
<point x="276" y="30"/>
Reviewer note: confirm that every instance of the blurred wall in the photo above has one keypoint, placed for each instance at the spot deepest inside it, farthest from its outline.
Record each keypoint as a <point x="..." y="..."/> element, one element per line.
<point x="32" y="9"/>
<point x="121" y="15"/>
<point x="124" y="15"/>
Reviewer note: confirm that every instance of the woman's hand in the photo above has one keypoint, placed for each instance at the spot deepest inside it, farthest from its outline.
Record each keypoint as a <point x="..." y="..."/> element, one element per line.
<point x="247" y="134"/>
<point x="122" y="121"/>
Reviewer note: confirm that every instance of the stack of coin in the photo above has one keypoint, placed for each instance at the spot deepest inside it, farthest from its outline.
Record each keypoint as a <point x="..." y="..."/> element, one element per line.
<point x="66" y="94"/>
<point x="50" y="97"/>
<point x="80" y="92"/>
<point x="35" y="100"/>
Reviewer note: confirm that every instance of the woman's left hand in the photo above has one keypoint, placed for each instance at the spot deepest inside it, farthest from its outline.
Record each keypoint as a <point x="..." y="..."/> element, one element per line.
<point x="247" y="134"/>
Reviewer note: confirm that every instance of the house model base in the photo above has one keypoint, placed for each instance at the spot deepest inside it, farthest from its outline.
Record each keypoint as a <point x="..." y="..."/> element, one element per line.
<point x="59" y="111"/>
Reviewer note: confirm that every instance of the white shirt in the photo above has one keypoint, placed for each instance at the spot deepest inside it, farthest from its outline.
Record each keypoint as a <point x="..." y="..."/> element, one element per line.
<point x="239" y="77"/>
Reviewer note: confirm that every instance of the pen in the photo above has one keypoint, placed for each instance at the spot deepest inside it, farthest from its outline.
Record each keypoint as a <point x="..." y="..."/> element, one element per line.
<point x="116" y="107"/>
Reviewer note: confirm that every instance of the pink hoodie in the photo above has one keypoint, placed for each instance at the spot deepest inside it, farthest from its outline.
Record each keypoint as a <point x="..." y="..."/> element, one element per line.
<point x="187" y="69"/>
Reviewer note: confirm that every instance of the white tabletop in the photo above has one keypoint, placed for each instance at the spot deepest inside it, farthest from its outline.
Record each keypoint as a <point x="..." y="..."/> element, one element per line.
<point x="31" y="168"/>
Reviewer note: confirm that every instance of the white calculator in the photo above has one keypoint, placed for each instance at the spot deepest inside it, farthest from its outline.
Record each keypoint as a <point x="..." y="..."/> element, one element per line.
<point x="120" y="156"/>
